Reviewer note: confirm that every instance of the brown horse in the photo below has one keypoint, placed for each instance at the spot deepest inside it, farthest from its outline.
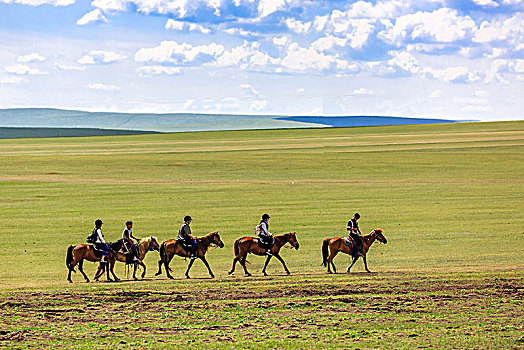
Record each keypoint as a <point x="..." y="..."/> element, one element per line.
<point x="146" y="245"/>
<point x="172" y="247"/>
<point x="246" y="245"/>
<point x="337" y="244"/>
<point x="77" y="254"/>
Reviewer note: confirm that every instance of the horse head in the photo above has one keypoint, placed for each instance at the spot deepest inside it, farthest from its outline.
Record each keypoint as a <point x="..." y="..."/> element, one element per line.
<point x="215" y="239"/>
<point x="292" y="239"/>
<point x="380" y="237"/>
<point x="153" y="244"/>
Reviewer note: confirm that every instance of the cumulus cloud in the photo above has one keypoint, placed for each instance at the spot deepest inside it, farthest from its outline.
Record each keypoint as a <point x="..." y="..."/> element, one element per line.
<point x="32" y="57"/>
<point x="69" y="67"/>
<point x="94" y="16"/>
<point x="158" y="70"/>
<point x="486" y="3"/>
<point x="175" y="53"/>
<point x="442" y="25"/>
<point x="22" y="69"/>
<point x="281" y="41"/>
<point x="181" y="26"/>
<point x="258" y="105"/>
<point x="41" y="2"/>
<point x="105" y="87"/>
<point x="101" y="57"/>
<point x="460" y="74"/>
<point x="250" y="90"/>
<point x="362" y="91"/>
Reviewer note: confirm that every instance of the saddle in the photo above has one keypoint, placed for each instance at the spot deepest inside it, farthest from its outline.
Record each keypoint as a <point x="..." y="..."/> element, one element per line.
<point x="186" y="246"/>
<point x="266" y="244"/>
<point x="351" y="244"/>
<point x="98" y="252"/>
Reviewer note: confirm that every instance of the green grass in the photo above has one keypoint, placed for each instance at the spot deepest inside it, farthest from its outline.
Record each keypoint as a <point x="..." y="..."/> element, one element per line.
<point x="448" y="197"/>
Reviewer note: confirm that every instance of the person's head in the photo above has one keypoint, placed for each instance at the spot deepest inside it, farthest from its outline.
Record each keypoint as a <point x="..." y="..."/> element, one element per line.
<point x="187" y="219"/>
<point x="265" y="217"/>
<point x="129" y="224"/>
<point x="357" y="216"/>
<point x="98" y="223"/>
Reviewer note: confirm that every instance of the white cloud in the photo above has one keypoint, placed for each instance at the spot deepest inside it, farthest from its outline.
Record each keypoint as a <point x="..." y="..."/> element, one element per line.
<point x="299" y="59"/>
<point x="362" y="91"/>
<point x="110" y="5"/>
<point x="301" y="90"/>
<point x="94" y="16"/>
<point x="32" y="57"/>
<point x="228" y="104"/>
<point x="404" y="60"/>
<point x="476" y="108"/>
<point x="158" y="70"/>
<point x="22" y="69"/>
<point x="104" y="87"/>
<point x="258" y="105"/>
<point x="486" y="3"/>
<point x="281" y="41"/>
<point x="250" y="90"/>
<point x="41" y="2"/>
<point x="481" y="93"/>
<point x="458" y="74"/>
<point x="175" y="53"/>
<point x="180" y="26"/>
<point x="298" y="26"/>
<point x="68" y="67"/>
<point x="436" y="94"/>
<point x="329" y="42"/>
<point x="12" y="80"/>
<point x="246" y="56"/>
<point x="267" y="7"/>
<point x="511" y="29"/>
<point x="101" y="57"/>
<point x="442" y="25"/>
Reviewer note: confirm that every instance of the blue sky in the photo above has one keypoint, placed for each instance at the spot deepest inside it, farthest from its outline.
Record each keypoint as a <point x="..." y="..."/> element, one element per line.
<point x="434" y="58"/>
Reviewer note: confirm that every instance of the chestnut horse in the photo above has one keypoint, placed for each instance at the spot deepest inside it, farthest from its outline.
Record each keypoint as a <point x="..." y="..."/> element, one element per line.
<point x="77" y="254"/>
<point x="337" y="244"/>
<point x="172" y="247"/>
<point x="144" y="246"/>
<point x="246" y="245"/>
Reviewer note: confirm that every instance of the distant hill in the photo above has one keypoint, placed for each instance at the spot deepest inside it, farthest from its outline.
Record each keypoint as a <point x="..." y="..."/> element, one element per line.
<point x="47" y="122"/>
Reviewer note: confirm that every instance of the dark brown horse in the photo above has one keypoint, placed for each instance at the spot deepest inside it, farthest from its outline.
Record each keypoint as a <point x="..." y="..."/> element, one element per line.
<point x="337" y="244"/>
<point x="246" y="245"/>
<point x="144" y="246"/>
<point x="172" y="247"/>
<point x="77" y="254"/>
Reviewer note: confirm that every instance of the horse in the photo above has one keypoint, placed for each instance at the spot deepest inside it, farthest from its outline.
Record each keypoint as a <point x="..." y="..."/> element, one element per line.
<point x="145" y="245"/>
<point x="337" y="244"/>
<point x="246" y="245"/>
<point x="77" y="254"/>
<point x="169" y="248"/>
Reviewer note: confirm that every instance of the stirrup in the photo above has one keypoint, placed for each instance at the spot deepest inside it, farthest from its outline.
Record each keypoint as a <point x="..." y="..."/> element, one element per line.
<point x="268" y="252"/>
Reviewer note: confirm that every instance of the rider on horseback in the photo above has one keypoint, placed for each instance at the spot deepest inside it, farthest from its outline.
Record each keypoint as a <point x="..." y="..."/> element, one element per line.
<point x="355" y="234"/>
<point x="184" y="234"/>
<point x="100" y="242"/>
<point x="265" y="236"/>
<point x="129" y="245"/>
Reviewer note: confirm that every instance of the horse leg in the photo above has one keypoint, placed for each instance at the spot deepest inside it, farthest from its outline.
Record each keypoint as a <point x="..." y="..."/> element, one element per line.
<point x="365" y="263"/>
<point x="283" y="263"/>
<point x="233" y="268"/>
<point x="144" y="267"/>
<point x="353" y="263"/>
<point x="243" y="262"/>
<point x="71" y="269"/>
<point x="265" y="265"/>
<point x="166" y="266"/>
<point x="207" y="265"/>
<point x="100" y="271"/>
<point x="189" y="267"/>
<point x="81" y="269"/>
<point x="135" y="265"/>
<point x="330" y="258"/>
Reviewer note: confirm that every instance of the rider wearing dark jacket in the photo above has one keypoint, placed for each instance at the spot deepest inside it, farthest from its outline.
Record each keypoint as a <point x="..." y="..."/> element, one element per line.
<point x="100" y="242"/>
<point x="265" y="236"/>
<point x="355" y="234"/>
<point x="184" y="234"/>
<point x="128" y="237"/>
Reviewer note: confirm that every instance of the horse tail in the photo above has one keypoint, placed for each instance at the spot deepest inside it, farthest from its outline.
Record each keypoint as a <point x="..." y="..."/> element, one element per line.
<point x="163" y="255"/>
<point x="325" y="251"/>
<point x="69" y="258"/>
<point x="237" y="249"/>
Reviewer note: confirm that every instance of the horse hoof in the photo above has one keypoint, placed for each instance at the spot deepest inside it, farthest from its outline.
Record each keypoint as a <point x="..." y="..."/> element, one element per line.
<point x="330" y="272"/>
<point x="70" y="281"/>
<point x="288" y="273"/>
<point x="212" y="276"/>
<point x="158" y="273"/>
<point x="187" y="276"/>
<point x="230" y="272"/>
<point x="171" y="277"/>
<point x="248" y="275"/>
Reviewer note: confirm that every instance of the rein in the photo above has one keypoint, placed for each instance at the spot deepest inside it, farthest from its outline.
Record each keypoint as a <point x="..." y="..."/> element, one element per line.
<point x="283" y="244"/>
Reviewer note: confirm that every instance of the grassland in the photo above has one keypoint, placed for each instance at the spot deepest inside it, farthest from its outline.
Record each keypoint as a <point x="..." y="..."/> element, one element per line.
<point x="448" y="197"/>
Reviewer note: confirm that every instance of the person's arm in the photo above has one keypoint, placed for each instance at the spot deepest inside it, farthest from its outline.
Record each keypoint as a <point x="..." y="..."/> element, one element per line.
<point x="100" y="237"/>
